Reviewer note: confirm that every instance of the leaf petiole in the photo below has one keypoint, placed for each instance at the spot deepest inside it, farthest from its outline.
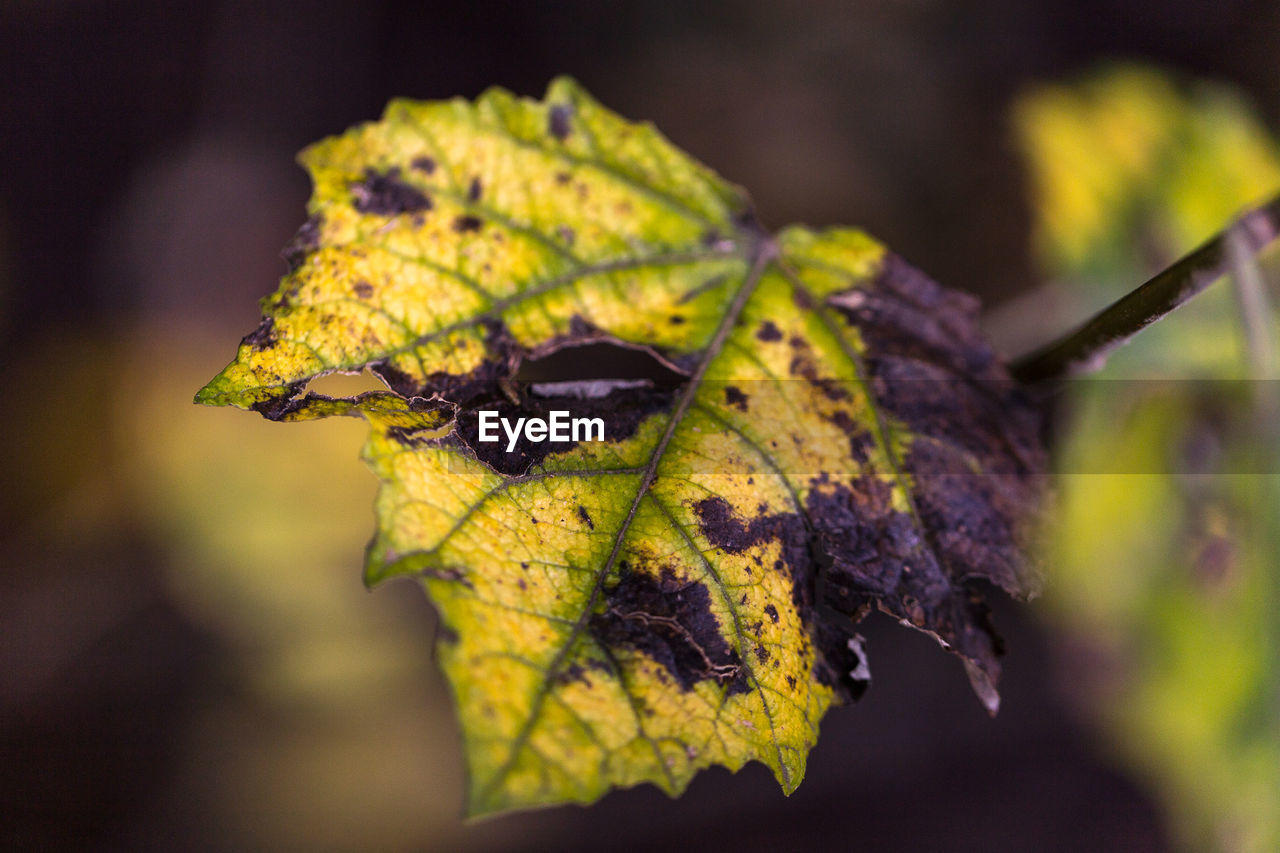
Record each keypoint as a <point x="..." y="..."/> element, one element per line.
<point x="1085" y="349"/>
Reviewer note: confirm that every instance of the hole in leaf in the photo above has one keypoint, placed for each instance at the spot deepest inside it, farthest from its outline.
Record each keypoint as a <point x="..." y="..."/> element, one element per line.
<point x="340" y="384"/>
<point x="598" y="361"/>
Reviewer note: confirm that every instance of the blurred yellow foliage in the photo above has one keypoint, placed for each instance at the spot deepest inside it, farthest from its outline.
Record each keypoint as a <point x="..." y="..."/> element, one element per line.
<point x="1166" y="552"/>
<point x="1128" y="151"/>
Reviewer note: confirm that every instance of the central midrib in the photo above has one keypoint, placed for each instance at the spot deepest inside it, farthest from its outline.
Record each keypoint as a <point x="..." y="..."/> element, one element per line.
<point x="764" y="252"/>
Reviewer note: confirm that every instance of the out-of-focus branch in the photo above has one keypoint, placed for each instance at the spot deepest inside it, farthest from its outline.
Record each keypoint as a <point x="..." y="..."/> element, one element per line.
<point x="1086" y="349"/>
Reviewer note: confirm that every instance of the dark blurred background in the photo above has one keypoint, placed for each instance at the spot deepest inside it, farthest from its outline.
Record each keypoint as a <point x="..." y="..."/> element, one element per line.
<point x="188" y="659"/>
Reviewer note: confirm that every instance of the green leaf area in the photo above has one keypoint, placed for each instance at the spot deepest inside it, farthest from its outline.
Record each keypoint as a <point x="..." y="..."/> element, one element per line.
<point x="829" y="434"/>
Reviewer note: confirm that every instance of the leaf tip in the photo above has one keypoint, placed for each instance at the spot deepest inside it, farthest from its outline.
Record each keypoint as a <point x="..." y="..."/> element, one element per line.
<point x="984" y="686"/>
<point x="376" y="567"/>
<point x="565" y="86"/>
<point x="212" y="394"/>
<point x="790" y="782"/>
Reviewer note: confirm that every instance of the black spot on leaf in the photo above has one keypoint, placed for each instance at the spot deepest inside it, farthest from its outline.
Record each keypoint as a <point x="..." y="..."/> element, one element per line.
<point x="558" y="121"/>
<point x="304" y="242"/>
<point x="670" y="621"/>
<point x="573" y="672"/>
<point x="725" y="530"/>
<point x="769" y="332"/>
<point x="466" y="223"/>
<point x="734" y="397"/>
<point x="386" y="194"/>
<point x="263" y="337"/>
<point x="281" y="403"/>
<point x="860" y="440"/>
<point x="803" y="557"/>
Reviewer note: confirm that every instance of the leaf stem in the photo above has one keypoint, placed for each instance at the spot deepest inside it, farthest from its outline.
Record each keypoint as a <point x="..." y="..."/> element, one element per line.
<point x="1086" y="349"/>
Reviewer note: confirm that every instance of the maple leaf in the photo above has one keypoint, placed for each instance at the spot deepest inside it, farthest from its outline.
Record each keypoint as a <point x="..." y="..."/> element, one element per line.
<point x="822" y="430"/>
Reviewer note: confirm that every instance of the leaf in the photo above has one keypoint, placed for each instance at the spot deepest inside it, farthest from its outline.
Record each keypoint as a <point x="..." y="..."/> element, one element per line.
<point x="1129" y="168"/>
<point x="835" y="435"/>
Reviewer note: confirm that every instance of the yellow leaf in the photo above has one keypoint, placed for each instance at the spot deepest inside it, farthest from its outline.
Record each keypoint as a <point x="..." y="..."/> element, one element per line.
<point x="677" y="591"/>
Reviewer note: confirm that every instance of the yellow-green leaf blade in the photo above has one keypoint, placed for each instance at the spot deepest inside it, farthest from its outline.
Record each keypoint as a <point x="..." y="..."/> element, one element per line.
<point x="447" y="216"/>
<point x="676" y="594"/>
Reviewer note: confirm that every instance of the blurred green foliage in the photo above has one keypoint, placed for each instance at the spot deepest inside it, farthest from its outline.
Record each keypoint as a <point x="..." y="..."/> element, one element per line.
<point x="1165" y="555"/>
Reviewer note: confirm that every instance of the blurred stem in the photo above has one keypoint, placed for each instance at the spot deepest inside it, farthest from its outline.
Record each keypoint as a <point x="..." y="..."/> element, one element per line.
<point x="1086" y="349"/>
<point x="1255" y="308"/>
<point x="1258" y="321"/>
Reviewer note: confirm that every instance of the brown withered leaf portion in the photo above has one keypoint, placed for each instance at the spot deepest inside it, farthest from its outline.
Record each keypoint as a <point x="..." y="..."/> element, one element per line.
<point x="975" y="459"/>
<point x="795" y="428"/>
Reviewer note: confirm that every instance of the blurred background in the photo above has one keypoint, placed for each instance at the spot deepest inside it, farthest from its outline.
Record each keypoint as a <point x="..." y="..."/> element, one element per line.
<point x="189" y="658"/>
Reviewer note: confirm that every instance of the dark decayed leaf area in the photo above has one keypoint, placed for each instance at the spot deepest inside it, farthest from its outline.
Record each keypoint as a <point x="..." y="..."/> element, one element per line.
<point x="798" y="428"/>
